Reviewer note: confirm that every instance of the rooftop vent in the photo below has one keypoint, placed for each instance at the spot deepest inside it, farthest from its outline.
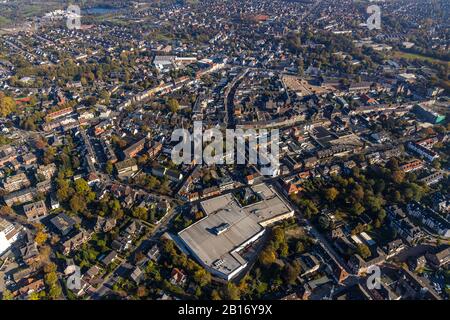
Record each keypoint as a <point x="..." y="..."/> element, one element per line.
<point x="221" y="228"/>
<point x="217" y="263"/>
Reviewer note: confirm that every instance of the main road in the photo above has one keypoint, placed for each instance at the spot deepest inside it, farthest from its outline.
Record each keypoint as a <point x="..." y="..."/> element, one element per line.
<point x="228" y="98"/>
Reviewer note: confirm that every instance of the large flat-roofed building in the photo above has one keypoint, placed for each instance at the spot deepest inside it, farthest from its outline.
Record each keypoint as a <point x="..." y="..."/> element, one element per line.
<point x="126" y="168"/>
<point x="428" y="114"/>
<point x="217" y="240"/>
<point x="16" y="182"/>
<point x="134" y="149"/>
<point x="20" y="196"/>
<point x="8" y="235"/>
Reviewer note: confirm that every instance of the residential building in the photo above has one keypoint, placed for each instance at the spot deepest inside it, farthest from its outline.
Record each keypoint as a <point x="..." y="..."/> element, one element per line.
<point x="19" y="197"/>
<point x="134" y="149"/>
<point x="46" y="172"/>
<point x="126" y="168"/>
<point x="428" y="114"/>
<point x="74" y="242"/>
<point x="63" y="223"/>
<point x="178" y="277"/>
<point x="16" y="182"/>
<point x="428" y="154"/>
<point x="429" y="218"/>
<point x="412" y="166"/>
<point x="109" y="258"/>
<point x="439" y="259"/>
<point x="35" y="211"/>
<point x="404" y="227"/>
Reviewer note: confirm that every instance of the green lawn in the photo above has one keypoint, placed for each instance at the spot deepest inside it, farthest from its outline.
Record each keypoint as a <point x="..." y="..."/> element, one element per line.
<point x="413" y="56"/>
<point x="4" y="21"/>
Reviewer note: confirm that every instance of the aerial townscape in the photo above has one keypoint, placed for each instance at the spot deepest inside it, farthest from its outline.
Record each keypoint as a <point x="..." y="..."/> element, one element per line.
<point x="94" y="205"/>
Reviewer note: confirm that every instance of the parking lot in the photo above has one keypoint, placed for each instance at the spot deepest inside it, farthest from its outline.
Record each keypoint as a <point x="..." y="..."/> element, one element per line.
<point x="5" y="277"/>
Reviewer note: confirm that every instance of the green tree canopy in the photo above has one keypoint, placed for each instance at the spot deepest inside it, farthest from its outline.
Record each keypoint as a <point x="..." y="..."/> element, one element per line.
<point x="7" y="105"/>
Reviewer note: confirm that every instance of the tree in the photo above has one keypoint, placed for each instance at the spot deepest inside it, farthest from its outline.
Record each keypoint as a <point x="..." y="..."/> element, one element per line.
<point x="377" y="223"/>
<point x="202" y="277"/>
<point x="278" y="236"/>
<point x="261" y="288"/>
<point x="41" y="237"/>
<point x="300" y="66"/>
<point x="7" y="105"/>
<point x="173" y="105"/>
<point x="51" y="278"/>
<point x="168" y="247"/>
<point x="231" y="292"/>
<point x="109" y="167"/>
<point x="392" y="164"/>
<point x="324" y="222"/>
<point x="436" y="164"/>
<point x="50" y="267"/>
<point x="44" y="257"/>
<point x="7" y="295"/>
<point x="397" y="196"/>
<point x="142" y="160"/>
<point x="55" y="291"/>
<point x="215" y="295"/>
<point x="398" y="176"/>
<point x="33" y="296"/>
<point x="64" y="190"/>
<point x="198" y="215"/>
<point x="105" y="97"/>
<point x="141" y="291"/>
<point x="293" y="42"/>
<point x="299" y="247"/>
<point x="363" y="251"/>
<point x="357" y="208"/>
<point x="381" y="215"/>
<point x="82" y="187"/>
<point x="49" y="155"/>
<point x="140" y="213"/>
<point x="40" y="143"/>
<point x="284" y="249"/>
<point x="198" y="292"/>
<point x="152" y="183"/>
<point x="55" y="239"/>
<point x="267" y="256"/>
<point x="6" y="211"/>
<point x="358" y="192"/>
<point x="78" y="203"/>
<point x="291" y="272"/>
<point x="151" y="215"/>
<point x="307" y="205"/>
<point x="379" y="186"/>
<point x="331" y="193"/>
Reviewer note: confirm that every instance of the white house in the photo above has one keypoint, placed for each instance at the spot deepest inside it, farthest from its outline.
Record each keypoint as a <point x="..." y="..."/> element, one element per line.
<point x="8" y="235"/>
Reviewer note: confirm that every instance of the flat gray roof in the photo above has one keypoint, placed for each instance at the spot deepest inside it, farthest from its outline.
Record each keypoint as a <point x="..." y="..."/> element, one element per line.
<point x="241" y="225"/>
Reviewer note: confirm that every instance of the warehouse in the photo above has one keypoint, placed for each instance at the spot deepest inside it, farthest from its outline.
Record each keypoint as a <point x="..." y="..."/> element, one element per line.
<point x="217" y="240"/>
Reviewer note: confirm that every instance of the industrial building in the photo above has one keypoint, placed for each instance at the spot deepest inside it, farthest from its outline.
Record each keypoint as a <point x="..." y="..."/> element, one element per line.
<point x="218" y="240"/>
